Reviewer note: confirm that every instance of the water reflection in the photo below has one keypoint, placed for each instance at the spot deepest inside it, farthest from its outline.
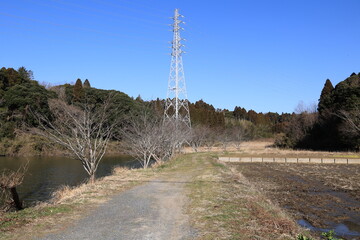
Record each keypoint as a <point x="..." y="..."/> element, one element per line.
<point x="345" y="230"/>
<point x="46" y="174"/>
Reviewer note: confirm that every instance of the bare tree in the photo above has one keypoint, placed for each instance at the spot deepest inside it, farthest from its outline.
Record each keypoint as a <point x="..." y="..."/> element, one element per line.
<point x="224" y="136"/>
<point x="9" y="180"/>
<point x="141" y="137"/>
<point x="210" y="138"/>
<point x="198" y="137"/>
<point x="172" y="139"/>
<point x="148" y="138"/>
<point x="352" y="121"/>
<point x="239" y="134"/>
<point x="83" y="130"/>
<point x="303" y="122"/>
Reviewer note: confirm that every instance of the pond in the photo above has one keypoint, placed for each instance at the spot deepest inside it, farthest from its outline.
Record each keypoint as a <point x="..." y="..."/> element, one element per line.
<point x="46" y="174"/>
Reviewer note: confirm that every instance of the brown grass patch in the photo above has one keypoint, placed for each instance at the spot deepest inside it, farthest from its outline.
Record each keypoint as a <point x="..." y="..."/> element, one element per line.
<point x="225" y="205"/>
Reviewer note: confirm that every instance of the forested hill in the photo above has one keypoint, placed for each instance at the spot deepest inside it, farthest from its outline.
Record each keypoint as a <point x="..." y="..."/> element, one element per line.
<point x="334" y="126"/>
<point x="20" y="94"/>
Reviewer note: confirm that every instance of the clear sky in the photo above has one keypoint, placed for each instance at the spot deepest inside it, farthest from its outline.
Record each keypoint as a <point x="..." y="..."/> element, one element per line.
<point x="262" y="55"/>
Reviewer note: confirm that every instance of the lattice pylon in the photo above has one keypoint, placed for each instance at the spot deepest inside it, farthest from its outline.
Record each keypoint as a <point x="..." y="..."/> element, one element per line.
<point x="176" y="104"/>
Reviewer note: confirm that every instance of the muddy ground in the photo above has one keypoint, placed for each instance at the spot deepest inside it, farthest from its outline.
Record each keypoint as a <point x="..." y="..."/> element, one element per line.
<point x="320" y="197"/>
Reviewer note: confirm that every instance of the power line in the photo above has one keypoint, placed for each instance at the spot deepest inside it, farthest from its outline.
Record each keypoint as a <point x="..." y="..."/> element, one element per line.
<point x="163" y="12"/>
<point x="78" y="28"/>
<point x="108" y="13"/>
<point x="143" y="11"/>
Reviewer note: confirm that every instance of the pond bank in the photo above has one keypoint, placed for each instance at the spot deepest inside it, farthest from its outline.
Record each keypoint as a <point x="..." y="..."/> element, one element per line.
<point x="28" y="145"/>
<point x="47" y="174"/>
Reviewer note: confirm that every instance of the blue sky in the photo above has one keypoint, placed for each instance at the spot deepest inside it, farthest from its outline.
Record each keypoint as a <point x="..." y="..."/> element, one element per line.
<point x="261" y="55"/>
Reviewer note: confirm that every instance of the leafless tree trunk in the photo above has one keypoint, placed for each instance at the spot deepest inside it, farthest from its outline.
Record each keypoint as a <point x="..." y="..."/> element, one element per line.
<point x="9" y="180"/>
<point x="84" y="131"/>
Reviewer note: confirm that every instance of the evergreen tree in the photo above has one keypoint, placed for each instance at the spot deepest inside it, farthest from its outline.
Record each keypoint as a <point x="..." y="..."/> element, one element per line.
<point x="325" y="100"/>
<point x="78" y="92"/>
<point x="86" y="84"/>
<point x="139" y="99"/>
<point x="346" y="94"/>
<point x="25" y="74"/>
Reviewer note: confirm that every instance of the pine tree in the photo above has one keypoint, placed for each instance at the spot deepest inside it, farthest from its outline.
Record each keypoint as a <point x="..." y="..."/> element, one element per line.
<point x="78" y="92"/>
<point x="86" y="84"/>
<point x="325" y="100"/>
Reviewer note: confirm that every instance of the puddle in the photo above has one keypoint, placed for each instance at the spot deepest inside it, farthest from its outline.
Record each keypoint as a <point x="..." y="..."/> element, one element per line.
<point x="346" y="229"/>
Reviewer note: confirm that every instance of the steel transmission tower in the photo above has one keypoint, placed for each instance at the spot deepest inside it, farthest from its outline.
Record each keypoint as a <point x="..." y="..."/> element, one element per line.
<point x="176" y="104"/>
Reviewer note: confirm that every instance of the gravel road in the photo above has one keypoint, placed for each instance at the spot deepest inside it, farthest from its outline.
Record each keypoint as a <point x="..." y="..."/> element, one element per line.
<point x="150" y="211"/>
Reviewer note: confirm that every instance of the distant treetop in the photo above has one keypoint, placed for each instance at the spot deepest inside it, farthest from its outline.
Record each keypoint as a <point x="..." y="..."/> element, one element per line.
<point x="86" y="84"/>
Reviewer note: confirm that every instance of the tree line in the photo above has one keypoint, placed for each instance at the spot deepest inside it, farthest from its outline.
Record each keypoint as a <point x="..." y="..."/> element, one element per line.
<point x="334" y="126"/>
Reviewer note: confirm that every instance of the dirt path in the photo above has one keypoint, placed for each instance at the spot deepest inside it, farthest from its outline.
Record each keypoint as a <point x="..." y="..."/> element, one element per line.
<point x="150" y="211"/>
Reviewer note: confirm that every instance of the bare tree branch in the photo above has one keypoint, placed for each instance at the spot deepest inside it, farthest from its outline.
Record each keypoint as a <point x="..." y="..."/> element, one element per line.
<point x="85" y="131"/>
<point x="9" y="180"/>
<point x="352" y="120"/>
<point x="147" y="138"/>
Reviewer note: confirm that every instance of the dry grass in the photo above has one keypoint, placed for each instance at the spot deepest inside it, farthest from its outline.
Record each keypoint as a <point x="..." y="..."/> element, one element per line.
<point x="225" y="205"/>
<point x="265" y="149"/>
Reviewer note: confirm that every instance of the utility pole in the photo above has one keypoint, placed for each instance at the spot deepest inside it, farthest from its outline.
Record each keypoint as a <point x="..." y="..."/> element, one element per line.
<point x="176" y="103"/>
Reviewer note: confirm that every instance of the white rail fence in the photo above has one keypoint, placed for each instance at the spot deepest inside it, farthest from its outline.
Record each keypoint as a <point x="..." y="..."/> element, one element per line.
<point x="290" y="160"/>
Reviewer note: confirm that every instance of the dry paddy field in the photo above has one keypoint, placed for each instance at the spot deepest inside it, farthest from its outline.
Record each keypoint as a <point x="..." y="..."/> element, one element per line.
<point x="320" y="197"/>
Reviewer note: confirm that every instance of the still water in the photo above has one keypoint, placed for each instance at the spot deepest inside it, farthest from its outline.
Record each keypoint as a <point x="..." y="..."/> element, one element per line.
<point x="46" y="174"/>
